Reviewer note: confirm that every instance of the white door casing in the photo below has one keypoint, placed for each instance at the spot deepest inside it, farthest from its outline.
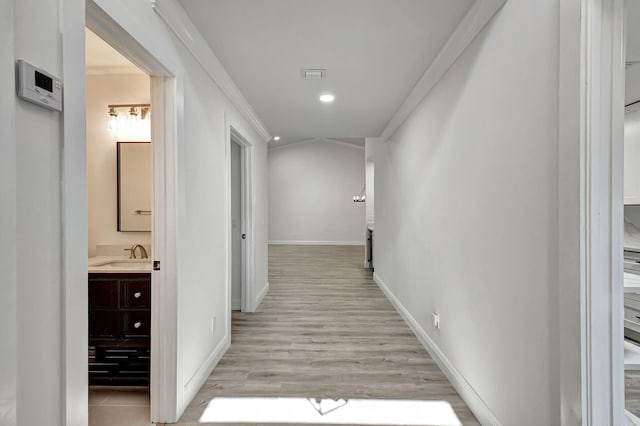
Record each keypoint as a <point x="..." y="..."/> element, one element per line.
<point x="589" y="302"/>
<point x="166" y="91"/>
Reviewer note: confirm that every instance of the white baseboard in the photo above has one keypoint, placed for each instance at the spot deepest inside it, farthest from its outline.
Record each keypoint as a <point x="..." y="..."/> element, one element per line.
<point x="475" y="403"/>
<point x="317" y="243"/>
<point x="196" y="381"/>
<point x="261" y="296"/>
<point x="630" y="419"/>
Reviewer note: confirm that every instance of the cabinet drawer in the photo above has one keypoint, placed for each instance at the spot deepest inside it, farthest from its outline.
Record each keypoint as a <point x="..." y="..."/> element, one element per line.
<point x="136" y="324"/>
<point x="103" y="294"/>
<point x="136" y="294"/>
<point x="103" y="325"/>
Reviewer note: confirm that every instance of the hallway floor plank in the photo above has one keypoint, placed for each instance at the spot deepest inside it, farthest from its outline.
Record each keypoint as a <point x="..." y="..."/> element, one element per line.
<point x="324" y="330"/>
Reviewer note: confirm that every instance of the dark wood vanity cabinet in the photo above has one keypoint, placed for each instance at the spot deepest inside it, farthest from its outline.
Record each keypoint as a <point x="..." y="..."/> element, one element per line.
<point x="119" y="328"/>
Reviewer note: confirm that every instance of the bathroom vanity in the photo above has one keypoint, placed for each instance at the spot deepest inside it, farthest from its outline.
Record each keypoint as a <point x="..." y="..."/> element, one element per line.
<point x="119" y="322"/>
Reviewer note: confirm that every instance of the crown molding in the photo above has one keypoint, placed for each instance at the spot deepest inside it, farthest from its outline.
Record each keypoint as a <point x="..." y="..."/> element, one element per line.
<point x="473" y="22"/>
<point x="177" y="20"/>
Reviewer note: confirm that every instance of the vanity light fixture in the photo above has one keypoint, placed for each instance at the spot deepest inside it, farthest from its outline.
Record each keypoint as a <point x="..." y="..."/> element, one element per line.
<point x="360" y="198"/>
<point x="144" y="113"/>
<point x="327" y="98"/>
<point x="113" y="119"/>
<point x="133" y="114"/>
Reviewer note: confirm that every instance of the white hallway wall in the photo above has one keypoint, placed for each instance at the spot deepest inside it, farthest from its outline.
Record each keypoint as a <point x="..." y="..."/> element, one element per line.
<point x="311" y="189"/>
<point x="8" y="231"/>
<point x="631" y="155"/>
<point x="466" y="214"/>
<point x="34" y="242"/>
<point x="102" y="156"/>
<point x="32" y="246"/>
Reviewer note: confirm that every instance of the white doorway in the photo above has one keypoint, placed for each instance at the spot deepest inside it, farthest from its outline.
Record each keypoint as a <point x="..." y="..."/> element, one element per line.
<point x="165" y="94"/>
<point x="590" y="297"/>
<point x="238" y="226"/>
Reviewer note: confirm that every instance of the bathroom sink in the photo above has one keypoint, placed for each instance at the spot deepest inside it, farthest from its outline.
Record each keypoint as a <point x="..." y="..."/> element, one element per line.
<point x="124" y="264"/>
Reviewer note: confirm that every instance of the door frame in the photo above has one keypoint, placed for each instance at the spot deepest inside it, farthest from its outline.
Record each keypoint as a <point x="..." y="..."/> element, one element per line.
<point x="590" y="236"/>
<point x="247" y="226"/>
<point x="166" y="92"/>
<point x="243" y="222"/>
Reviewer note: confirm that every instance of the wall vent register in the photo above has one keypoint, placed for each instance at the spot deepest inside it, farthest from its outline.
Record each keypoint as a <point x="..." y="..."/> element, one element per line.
<point x="314" y="74"/>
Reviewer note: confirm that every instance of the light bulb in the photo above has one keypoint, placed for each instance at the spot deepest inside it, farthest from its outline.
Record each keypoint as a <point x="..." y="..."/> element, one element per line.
<point x="113" y="123"/>
<point x="113" y="120"/>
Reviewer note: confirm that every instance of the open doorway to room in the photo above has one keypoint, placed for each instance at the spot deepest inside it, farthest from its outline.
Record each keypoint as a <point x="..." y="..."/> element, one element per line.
<point x="119" y="177"/>
<point x="139" y="320"/>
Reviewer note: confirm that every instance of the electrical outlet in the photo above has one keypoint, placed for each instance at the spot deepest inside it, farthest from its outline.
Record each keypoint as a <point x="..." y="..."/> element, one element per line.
<point x="436" y="320"/>
<point x="213" y="324"/>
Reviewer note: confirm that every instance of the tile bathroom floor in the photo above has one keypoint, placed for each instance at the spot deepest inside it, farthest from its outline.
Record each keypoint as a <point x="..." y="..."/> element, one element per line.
<point x="109" y="406"/>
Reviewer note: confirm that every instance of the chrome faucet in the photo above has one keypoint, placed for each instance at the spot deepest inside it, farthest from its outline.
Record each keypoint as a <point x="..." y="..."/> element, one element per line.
<point x="132" y="250"/>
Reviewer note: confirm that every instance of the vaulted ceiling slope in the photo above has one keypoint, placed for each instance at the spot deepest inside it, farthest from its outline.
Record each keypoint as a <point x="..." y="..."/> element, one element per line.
<point x="374" y="52"/>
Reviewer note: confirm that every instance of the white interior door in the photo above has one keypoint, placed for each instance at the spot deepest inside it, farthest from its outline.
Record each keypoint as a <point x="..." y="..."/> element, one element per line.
<point x="236" y="226"/>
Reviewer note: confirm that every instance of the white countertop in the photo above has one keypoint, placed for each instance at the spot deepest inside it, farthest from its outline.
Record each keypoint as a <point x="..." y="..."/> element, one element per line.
<point x="104" y="264"/>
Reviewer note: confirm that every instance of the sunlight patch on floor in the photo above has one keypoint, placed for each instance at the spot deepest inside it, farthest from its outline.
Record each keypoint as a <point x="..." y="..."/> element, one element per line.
<point x="329" y="411"/>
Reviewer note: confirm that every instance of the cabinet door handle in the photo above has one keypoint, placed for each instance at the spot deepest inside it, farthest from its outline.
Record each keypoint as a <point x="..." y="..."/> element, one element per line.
<point x="137" y="294"/>
<point x="137" y="324"/>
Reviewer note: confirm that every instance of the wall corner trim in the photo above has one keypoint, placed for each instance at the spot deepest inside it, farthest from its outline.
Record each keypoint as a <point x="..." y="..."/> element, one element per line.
<point x="177" y="20"/>
<point x="469" y="27"/>
<point x="196" y="381"/>
<point x="479" y="408"/>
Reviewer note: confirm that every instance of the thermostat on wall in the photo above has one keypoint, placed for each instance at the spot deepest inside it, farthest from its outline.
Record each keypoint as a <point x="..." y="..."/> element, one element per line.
<point x="38" y="86"/>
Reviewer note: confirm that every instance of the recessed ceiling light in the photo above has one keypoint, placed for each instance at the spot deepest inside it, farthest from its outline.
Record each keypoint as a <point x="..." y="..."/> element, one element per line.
<point x="276" y="138"/>
<point x="327" y="98"/>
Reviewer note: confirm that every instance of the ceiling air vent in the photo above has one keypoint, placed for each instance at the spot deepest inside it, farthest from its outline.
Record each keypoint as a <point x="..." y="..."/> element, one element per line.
<point x="314" y="74"/>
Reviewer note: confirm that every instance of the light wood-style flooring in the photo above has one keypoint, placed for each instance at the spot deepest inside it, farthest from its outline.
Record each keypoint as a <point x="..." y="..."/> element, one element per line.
<point x="632" y="391"/>
<point x="324" y="330"/>
<point x="122" y="406"/>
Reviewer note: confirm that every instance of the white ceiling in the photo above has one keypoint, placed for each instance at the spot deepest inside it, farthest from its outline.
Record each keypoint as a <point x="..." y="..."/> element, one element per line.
<point x="374" y="52"/>
<point x="104" y="59"/>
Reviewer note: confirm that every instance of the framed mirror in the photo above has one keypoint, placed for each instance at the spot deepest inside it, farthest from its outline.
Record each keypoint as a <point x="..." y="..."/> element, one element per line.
<point x="134" y="186"/>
